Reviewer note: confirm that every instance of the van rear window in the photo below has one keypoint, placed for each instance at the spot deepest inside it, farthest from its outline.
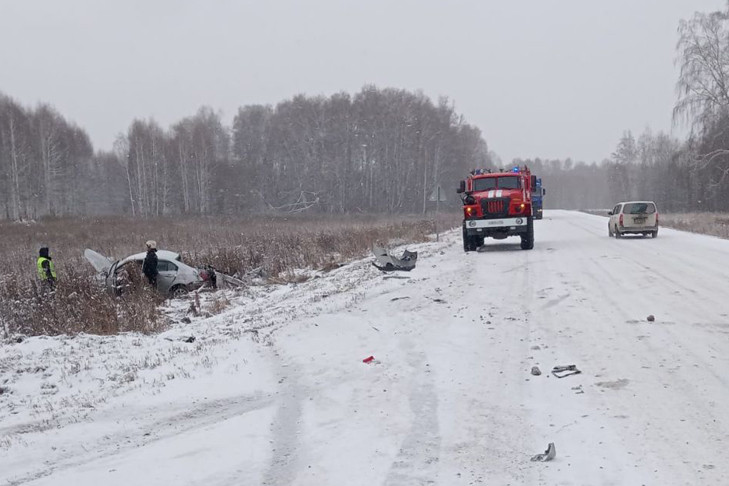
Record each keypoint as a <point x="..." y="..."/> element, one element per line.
<point x="639" y="208"/>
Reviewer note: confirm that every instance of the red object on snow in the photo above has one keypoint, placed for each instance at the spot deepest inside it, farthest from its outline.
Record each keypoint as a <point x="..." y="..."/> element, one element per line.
<point x="368" y="359"/>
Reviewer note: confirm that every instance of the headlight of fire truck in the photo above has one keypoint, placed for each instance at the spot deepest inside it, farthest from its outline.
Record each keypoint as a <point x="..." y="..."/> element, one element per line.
<point x="518" y="208"/>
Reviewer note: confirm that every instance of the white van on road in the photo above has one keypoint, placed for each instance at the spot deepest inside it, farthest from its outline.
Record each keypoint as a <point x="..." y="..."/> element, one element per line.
<point x="633" y="217"/>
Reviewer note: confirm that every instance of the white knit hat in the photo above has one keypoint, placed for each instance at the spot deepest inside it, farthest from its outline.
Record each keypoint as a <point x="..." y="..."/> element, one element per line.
<point x="151" y="244"/>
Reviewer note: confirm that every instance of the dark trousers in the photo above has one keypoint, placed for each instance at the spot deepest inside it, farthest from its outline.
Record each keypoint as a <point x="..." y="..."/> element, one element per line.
<point x="48" y="284"/>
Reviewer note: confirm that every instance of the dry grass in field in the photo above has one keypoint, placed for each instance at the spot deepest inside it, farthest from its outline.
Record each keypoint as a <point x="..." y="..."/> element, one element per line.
<point x="218" y="305"/>
<point x="274" y="247"/>
<point x="715" y="224"/>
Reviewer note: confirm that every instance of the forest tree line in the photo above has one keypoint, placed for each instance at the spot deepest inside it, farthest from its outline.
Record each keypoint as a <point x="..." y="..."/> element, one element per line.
<point x="377" y="151"/>
<point x="651" y="167"/>
<point x="43" y="163"/>
<point x="381" y="150"/>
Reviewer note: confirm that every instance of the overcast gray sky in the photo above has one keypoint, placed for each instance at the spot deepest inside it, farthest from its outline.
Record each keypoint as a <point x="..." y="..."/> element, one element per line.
<point x="548" y="78"/>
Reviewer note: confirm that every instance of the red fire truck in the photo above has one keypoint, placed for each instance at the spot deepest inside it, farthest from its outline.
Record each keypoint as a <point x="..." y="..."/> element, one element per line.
<point x="497" y="205"/>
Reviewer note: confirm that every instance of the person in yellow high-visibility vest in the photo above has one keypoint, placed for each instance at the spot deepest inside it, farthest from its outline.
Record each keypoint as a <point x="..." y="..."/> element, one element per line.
<point x="46" y="269"/>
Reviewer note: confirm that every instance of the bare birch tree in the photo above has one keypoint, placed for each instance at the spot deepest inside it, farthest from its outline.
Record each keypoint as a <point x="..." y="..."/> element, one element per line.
<point x="703" y="57"/>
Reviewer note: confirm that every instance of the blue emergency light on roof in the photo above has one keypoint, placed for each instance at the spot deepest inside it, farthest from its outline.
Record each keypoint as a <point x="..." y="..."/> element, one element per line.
<point x="515" y="169"/>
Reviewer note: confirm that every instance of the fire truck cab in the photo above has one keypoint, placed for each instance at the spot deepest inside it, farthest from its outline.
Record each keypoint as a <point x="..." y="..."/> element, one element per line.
<point x="497" y="205"/>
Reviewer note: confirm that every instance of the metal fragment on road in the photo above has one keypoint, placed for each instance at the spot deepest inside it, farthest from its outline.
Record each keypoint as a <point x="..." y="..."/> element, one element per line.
<point x="567" y="370"/>
<point x="547" y="455"/>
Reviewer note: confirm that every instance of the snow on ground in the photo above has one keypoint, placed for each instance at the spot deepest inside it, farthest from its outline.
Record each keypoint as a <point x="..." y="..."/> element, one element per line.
<point x="273" y="389"/>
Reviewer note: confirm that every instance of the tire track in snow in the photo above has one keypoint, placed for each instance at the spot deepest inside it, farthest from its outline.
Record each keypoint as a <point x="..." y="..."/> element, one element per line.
<point x="282" y="468"/>
<point x="139" y="436"/>
<point x="489" y="450"/>
<point x="417" y="461"/>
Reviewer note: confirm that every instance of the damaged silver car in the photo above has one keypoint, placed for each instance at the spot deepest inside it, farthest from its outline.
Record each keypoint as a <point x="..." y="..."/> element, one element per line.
<point x="175" y="278"/>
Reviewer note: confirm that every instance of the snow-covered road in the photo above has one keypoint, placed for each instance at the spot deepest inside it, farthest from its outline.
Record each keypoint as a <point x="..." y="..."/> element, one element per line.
<point x="277" y="392"/>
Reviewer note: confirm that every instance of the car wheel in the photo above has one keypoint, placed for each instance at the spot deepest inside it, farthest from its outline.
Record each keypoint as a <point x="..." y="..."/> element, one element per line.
<point x="178" y="291"/>
<point x="610" y="232"/>
<point x="655" y="234"/>
<point x="617" y="233"/>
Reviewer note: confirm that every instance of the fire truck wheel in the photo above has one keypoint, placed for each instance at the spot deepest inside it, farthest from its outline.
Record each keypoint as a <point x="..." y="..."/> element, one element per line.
<point x="527" y="241"/>
<point x="469" y="242"/>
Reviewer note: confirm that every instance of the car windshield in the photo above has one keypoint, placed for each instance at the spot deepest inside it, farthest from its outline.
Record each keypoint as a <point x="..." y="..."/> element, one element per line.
<point x="639" y="208"/>
<point x="487" y="183"/>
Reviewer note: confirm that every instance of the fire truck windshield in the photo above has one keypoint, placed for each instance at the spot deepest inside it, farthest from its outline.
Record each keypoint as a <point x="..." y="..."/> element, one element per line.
<point x="505" y="182"/>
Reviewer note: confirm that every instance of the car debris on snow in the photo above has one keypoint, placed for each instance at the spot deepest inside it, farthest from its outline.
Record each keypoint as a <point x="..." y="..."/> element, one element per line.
<point x="398" y="298"/>
<point x="536" y="371"/>
<point x="651" y="318"/>
<point x="547" y="455"/>
<point x="567" y="370"/>
<point x="184" y="339"/>
<point x="385" y="262"/>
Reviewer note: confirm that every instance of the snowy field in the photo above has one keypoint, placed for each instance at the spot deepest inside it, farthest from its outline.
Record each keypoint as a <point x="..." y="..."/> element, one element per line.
<point x="273" y="390"/>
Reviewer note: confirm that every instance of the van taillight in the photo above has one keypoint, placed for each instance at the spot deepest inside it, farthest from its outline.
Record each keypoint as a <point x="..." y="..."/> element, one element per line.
<point x="621" y="220"/>
<point x="656" y="217"/>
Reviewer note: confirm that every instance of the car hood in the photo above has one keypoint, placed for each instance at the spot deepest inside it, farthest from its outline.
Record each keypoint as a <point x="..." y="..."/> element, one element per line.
<point x="100" y="263"/>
